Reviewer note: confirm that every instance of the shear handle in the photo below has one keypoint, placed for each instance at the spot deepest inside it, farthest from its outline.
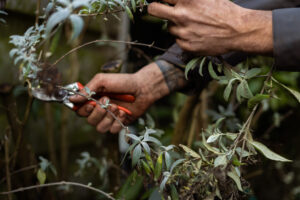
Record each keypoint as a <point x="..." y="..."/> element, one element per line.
<point x="93" y="103"/>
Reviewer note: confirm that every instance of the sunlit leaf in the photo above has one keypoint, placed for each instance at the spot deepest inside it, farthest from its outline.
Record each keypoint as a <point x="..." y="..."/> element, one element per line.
<point x="267" y="152"/>
<point x="41" y="176"/>
<point x="158" y="166"/>
<point x="146" y="167"/>
<point x="213" y="138"/>
<point x="149" y="160"/>
<point x="220" y="161"/>
<point x="190" y="151"/>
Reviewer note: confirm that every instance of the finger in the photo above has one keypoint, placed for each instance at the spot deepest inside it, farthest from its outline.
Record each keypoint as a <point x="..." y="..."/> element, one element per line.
<point x="112" y="83"/>
<point x="105" y="124"/>
<point x="178" y="32"/>
<point x="85" y="111"/>
<point x="116" y="126"/>
<point x="161" y="11"/>
<point x="185" y="45"/>
<point x="97" y="114"/>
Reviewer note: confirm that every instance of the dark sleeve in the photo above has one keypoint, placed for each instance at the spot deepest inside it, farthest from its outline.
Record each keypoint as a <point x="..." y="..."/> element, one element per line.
<point x="286" y="22"/>
<point x="286" y="34"/>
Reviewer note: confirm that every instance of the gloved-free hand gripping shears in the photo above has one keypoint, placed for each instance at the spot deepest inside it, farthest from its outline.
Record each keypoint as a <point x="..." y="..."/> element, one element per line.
<point x="62" y="95"/>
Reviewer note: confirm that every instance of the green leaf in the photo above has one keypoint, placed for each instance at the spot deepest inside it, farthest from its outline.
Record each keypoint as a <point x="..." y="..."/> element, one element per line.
<point x="190" y="151"/>
<point x="133" y="5"/>
<point x="146" y="167"/>
<point x="233" y="175"/>
<point x="252" y="73"/>
<point x="77" y="24"/>
<point x="168" y="160"/>
<point x="56" y="18"/>
<point x="174" y="193"/>
<point x="153" y="139"/>
<point x="149" y="160"/>
<point x="213" y="138"/>
<point x="41" y="176"/>
<point x="257" y="99"/>
<point x="267" y="152"/>
<point x="220" y="161"/>
<point x="129" y="13"/>
<point x="210" y="148"/>
<point x="175" y="164"/>
<point x="164" y="181"/>
<point x="228" y="89"/>
<point x="212" y="71"/>
<point x="201" y="66"/>
<point x="136" y="155"/>
<point x="158" y="167"/>
<point x="295" y="93"/>
<point x="146" y="147"/>
<point x="190" y="66"/>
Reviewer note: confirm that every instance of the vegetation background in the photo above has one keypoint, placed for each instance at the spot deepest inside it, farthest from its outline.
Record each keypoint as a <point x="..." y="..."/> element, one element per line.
<point x="57" y="134"/>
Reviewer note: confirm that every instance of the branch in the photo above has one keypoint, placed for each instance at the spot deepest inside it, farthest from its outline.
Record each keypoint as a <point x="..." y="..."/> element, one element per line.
<point x="20" y="170"/>
<point x="58" y="184"/>
<point x="113" y="41"/>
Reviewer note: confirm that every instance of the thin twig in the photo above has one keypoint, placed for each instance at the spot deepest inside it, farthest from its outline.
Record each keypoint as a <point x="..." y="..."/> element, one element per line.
<point x="113" y="41"/>
<point x="19" y="171"/>
<point x="58" y="184"/>
<point x="7" y="163"/>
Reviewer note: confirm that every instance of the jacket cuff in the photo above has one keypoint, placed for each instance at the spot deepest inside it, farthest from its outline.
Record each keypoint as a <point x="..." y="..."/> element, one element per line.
<point x="286" y="37"/>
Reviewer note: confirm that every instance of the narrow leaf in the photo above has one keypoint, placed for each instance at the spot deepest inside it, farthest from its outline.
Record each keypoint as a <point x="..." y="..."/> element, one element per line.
<point x="252" y="73"/>
<point x="233" y="175"/>
<point x="267" y="152"/>
<point x="129" y="13"/>
<point x="136" y="155"/>
<point x="190" y="151"/>
<point x="228" y="89"/>
<point x="212" y="71"/>
<point x="168" y="160"/>
<point x="190" y="66"/>
<point x="158" y="167"/>
<point x="77" y="24"/>
<point x="201" y="66"/>
<point x="176" y="163"/>
<point x="133" y="4"/>
<point x="56" y="18"/>
<point x="213" y="138"/>
<point x="41" y="176"/>
<point x="295" y="93"/>
<point x="257" y="99"/>
<point x="220" y="160"/>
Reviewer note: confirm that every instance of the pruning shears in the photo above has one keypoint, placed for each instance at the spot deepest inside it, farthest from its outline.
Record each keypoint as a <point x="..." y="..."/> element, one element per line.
<point x="62" y="95"/>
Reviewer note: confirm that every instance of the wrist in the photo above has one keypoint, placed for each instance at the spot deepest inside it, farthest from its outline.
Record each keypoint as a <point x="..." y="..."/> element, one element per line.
<point x="254" y="31"/>
<point x="151" y="82"/>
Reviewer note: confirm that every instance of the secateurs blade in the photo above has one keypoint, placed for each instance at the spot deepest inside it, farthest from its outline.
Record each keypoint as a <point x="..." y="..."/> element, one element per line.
<point x="62" y="95"/>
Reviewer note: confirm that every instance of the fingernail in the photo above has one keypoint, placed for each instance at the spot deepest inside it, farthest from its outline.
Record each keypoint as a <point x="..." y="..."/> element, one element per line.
<point x="89" y="108"/>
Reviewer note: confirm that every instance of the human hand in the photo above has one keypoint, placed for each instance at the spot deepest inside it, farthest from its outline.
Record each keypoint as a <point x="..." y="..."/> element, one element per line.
<point x="214" y="27"/>
<point x="147" y="85"/>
